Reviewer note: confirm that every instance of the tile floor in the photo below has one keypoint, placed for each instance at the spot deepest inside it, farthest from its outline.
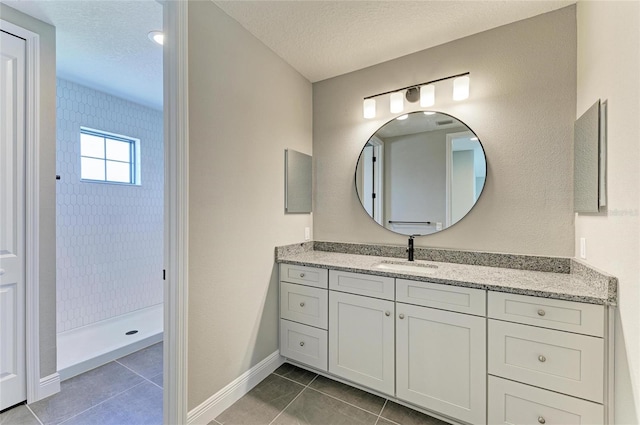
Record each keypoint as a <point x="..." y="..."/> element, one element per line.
<point x="294" y="396"/>
<point x="128" y="391"/>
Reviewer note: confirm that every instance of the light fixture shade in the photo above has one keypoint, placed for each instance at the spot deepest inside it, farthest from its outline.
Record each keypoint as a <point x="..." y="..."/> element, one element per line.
<point x="427" y="95"/>
<point x="461" y="88"/>
<point x="369" y="108"/>
<point x="403" y="117"/>
<point x="397" y="102"/>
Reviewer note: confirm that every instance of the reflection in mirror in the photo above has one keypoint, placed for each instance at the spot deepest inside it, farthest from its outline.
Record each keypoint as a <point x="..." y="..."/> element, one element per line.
<point x="420" y="173"/>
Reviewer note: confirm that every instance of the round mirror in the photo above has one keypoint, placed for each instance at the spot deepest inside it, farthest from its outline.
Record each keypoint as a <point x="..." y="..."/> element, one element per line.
<point x="420" y="173"/>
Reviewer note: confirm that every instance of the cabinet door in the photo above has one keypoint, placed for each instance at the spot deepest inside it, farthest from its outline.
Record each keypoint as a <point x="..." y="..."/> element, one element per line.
<point x="361" y="340"/>
<point x="441" y="361"/>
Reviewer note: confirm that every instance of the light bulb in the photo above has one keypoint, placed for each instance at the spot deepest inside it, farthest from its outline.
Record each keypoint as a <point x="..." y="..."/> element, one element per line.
<point x="427" y="95"/>
<point x="461" y="88"/>
<point x="397" y="102"/>
<point x="369" y="108"/>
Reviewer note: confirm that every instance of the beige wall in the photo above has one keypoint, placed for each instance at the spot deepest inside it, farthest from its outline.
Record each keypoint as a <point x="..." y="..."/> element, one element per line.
<point x="609" y="69"/>
<point x="47" y="183"/>
<point x="522" y="107"/>
<point x="245" y="107"/>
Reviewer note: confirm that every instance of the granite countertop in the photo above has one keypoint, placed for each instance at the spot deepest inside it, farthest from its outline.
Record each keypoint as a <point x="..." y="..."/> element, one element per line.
<point x="580" y="283"/>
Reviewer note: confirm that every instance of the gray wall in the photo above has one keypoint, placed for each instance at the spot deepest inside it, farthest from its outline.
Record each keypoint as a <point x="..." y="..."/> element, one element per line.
<point x="608" y="69"/>
<point x="47" y="183"/>
<point x="246" y="105"/>
<point x="522" y="107"/>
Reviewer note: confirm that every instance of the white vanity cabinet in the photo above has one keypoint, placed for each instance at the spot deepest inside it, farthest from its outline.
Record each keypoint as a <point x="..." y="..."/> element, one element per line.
<point x="304" y="301"/>
<point x="471" y="355"/>
<point x="547" y="361"/>
<point x="440" y="354"/>
<point x="362" y="329"/>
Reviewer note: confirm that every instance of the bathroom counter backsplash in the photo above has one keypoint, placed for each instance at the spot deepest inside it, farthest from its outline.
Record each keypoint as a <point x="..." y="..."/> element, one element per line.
<point x="548" y="277"/>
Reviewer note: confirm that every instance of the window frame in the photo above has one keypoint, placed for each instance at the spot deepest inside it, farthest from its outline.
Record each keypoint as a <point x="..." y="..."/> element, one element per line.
<point x="134" y="156"/>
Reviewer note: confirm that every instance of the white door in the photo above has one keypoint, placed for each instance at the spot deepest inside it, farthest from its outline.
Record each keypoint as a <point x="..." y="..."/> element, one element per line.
<point x="441" y="361"/>
<point x="361" y="340"/>
<point x="13" y="380"/>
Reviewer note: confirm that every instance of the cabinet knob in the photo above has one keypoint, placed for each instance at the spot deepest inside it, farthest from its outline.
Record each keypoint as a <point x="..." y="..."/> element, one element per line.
<point x="302" y="304"/>
<point x="301" y="343"/>
<point x="541" y="420"/>
<point x="542" y="358"/>
<point x="401" y="316"/>
<point x="541" y="312"/>
<point x="387" y="313"/>
<point x="301" y="274"/>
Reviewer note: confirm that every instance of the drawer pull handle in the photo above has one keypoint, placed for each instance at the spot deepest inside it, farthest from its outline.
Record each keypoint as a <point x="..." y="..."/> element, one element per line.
<point x="541" y="420"/>
<point x="542" y="358"/>
<point x="541" y="312"/>
<point x="301" y="343"/>
<point x="301" y="274"/>
<point x="302" y="304"/>
<point x="387" y="313"/>
<point x="401" y="316"/>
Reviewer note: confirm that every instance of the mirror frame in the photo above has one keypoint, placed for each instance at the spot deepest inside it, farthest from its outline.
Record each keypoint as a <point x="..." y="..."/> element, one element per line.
<point x="447" y="184"/>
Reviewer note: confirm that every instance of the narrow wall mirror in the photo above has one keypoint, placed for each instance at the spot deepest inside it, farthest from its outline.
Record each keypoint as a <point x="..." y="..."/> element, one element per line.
<point x="420" y="173"/>
<point x="589" y="159"/>
<point x="297" y="186"/>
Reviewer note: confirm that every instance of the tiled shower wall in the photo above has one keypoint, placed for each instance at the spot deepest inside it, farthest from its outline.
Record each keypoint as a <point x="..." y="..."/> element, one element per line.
<point x="109" y="236"/>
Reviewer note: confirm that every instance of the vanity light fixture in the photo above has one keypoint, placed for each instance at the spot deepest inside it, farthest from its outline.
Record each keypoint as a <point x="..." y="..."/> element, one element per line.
<point x="369" y="108"/>
<point x="461" y="88"/>
<point x="427" y="95"/>
<point x="156" y="37"/>
<point x="396" y="103"/>
<point x="425" y="92"/>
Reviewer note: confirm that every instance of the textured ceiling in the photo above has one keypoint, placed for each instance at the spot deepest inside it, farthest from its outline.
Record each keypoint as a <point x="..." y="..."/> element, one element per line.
<point x="104" y="44"/>
<point x="323" y="39"/>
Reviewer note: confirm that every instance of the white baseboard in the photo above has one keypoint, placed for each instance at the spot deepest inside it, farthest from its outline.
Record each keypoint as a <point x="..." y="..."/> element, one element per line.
<point x="223" y="399"/>
<point x="49" y="385"/>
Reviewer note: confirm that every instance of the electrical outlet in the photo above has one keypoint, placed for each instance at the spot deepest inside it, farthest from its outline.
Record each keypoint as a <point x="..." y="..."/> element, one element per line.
<point x="583" y="248"/>
<point x="307" y="233"/>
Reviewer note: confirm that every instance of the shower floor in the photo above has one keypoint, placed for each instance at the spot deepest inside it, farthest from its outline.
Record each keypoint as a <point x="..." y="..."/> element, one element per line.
<point x="88" y="347"/>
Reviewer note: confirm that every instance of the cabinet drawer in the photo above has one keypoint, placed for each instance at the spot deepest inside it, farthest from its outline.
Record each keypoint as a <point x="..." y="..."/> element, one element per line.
<point x="549" y="313"/>
<point x="303" y="343"/>
<point x="304" y="304"/>
<point x="445" y="297"/>
<point x="560" y="361"/>
<point x="362" y="284"/>
<point x="305" y="275"/>
<point x="513" y="403"/>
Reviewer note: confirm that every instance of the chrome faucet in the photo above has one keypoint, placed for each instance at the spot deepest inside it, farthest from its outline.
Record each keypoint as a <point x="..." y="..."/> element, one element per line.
<point x="410" y="248"/>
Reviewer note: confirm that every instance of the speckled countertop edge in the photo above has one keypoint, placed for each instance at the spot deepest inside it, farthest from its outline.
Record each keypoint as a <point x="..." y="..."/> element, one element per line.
<point x="580" y="283"/>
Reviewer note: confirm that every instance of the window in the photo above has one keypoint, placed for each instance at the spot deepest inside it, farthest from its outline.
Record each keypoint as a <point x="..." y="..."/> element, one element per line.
<point x="106" y="157"/>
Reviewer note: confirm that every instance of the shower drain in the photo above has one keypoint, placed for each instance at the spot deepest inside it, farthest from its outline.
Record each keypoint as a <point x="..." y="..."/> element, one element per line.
<point x="133" y="332"/>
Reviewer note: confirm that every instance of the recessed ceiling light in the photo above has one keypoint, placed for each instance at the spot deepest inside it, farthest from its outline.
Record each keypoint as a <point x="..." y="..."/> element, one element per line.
<point x="403" y="117"/>
<point x="474" y="139"/>
<point x="157" y="37"/>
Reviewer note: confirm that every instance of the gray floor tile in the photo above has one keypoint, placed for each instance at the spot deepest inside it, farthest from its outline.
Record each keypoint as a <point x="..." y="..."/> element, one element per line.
<point x="146" y="362"/>
<point x="158" y="380"/>
<point x="315" y="408"/>
<point x="405" y="416"/>
<point x="295" y="373"/>
<point x="262" y="403"/>
<point x="140" y="405"/>
<point x="84" y="391"/>
<point x="19" y="415"/>
<point x="383" y="421"/>
<point x="359" y="398"/>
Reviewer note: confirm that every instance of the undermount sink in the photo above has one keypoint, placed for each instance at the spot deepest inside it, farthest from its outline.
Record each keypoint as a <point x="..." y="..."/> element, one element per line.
<point x="405" y="266"/>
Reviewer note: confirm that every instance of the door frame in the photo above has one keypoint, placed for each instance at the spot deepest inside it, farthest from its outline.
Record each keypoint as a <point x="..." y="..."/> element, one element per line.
<point x="449" y="169"/>
<point x="37" y="388"/>
<point x="176" y="208"/>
